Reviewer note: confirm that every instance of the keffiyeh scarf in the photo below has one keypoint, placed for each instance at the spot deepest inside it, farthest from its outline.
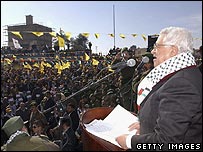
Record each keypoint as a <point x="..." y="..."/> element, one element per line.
<point x="169" y="66"/>
<point x="16" y="134"/>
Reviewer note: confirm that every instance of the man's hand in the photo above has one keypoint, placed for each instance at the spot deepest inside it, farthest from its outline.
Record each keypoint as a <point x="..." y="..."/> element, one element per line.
<point x="136" y="126"/>
<point x="121" y="140"/>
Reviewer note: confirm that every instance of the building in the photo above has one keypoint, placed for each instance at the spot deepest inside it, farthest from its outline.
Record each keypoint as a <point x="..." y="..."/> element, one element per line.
<point x="30" y="40"/>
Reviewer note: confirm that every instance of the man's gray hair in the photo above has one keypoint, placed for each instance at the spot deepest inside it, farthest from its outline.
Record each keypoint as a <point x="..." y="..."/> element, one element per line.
<point x="180" y="37"/>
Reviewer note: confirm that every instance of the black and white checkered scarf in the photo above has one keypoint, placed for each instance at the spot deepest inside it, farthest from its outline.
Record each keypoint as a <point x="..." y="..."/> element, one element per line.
<point x="169" y="66"/>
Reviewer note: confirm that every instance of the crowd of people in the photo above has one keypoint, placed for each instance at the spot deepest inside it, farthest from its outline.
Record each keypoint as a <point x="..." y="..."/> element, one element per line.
<point x="42" y="98"/>
<point x="51" y="104"/>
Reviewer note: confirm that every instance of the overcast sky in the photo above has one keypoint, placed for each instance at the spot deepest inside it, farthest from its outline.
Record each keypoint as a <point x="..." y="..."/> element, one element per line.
<point x="131" y="17"/>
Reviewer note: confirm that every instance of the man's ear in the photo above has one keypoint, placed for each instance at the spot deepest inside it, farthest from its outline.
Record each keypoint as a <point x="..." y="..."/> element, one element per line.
<point x="174" y="51"/>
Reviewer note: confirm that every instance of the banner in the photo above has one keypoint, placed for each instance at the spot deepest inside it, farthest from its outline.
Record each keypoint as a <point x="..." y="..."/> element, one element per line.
<point x="17" y="34"/>
<point x="61" y="41"/>
<point x="16" y="44"/>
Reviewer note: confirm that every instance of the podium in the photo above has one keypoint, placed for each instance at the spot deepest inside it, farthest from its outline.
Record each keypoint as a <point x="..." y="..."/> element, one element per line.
<point x="90" y="141"/>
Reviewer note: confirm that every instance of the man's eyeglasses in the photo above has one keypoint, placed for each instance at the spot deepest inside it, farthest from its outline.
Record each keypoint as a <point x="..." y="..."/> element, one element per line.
<point x="160" y="45"/>
<point x="34" y="126"/>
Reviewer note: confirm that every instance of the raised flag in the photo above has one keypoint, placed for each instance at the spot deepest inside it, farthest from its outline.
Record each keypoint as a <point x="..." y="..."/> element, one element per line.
<point x="27" y="66"/>
<point x="66" y="65"/>
<point x="47" y="65"/>
<point x="68" y="35"/>
<point x="8" y="61"/>
<point x="16" y="44"/>
<point x="95" y="62"/>
<point x="61" y="41"/>
<point x="86" y="57"/>
<point x="36" y="65"/>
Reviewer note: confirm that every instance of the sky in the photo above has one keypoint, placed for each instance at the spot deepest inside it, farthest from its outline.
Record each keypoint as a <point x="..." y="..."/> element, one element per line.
<point x="131" y="17"/>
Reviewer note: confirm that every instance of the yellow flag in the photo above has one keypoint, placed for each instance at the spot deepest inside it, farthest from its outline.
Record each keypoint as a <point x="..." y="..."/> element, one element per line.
<point x="38" y="33"/>
<point x="97" y="35"/>
<point x="47" y="65"/>
<point x="8" y="61"/>
<point x="144" y="37"/>
<point x="43" y="63"/>
<point x="95" y="62"/>
<point x="112" y="35"/>
<point x="134" y="35"/>
<point x="17" y="34"/>
<point x="41" y="67"/>
<point x="65" y="65"/>
<point x="61" y="41"/>
<point x="14" y="57"/>
<point x="53" y="34"/>
<point x="68" y="35"/>
<point x="122" y="36"/>
<point x="57" y="57"/>
<point x="86" y="57"/>
<point x="59" y="67"/>
<point x="111" y="70"/>
<point x="27" y="66"/>
<point x="109" y="66"/>
<point x="86" y="34"/>
<point x="36" y="65"/>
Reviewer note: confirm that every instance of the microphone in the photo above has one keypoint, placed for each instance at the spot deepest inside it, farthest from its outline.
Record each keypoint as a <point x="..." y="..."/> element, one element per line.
<point x="123" y="64"/>
<point x="144" y="60"/>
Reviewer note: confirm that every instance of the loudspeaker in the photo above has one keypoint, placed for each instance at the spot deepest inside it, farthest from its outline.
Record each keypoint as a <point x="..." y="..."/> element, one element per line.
<point x="151" y="40"/>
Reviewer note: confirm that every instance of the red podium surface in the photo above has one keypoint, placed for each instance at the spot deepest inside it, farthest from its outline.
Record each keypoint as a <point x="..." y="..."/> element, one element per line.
<point x="90" y="141"/>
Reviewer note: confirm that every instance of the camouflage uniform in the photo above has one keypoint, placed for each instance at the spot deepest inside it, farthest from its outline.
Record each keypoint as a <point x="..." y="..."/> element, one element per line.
<point x="126" y="76"/>
<point x="139" y="77"/>
<point x="21" y="141"/>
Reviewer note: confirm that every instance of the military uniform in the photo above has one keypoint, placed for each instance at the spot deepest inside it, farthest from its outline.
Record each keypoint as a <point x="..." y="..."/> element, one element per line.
<point x="126" y="75"/>
<point x="139" y="77"/>
<point x="21" y="141"/>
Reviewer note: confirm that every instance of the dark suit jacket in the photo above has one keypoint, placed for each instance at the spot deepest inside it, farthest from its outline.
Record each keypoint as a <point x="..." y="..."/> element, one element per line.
<point x="74" y="119"/>
<point x="172" y="112"/>
<point x="69" y="141"/>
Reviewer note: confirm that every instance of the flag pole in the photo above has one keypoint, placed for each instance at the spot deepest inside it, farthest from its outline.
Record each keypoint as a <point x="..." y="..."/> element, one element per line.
<point x="114" y="29"/>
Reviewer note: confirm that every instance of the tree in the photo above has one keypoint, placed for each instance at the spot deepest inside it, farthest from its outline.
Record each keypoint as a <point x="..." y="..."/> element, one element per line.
<point x="79" y="43"/>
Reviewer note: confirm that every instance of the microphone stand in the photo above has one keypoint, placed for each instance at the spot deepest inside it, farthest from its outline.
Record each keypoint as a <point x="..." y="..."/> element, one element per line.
<point x="82" y="90"/>
<point x="137" y="73"/>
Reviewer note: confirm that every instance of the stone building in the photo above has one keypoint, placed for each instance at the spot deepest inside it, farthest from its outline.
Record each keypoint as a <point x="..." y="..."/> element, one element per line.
<point x="30" y="40"/>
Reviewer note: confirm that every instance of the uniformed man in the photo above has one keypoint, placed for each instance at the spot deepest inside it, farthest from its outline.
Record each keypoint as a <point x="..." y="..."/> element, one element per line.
<point x="139" y="77"/>
<point x="126" y="75"/>
<point x="20" y="140"/>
